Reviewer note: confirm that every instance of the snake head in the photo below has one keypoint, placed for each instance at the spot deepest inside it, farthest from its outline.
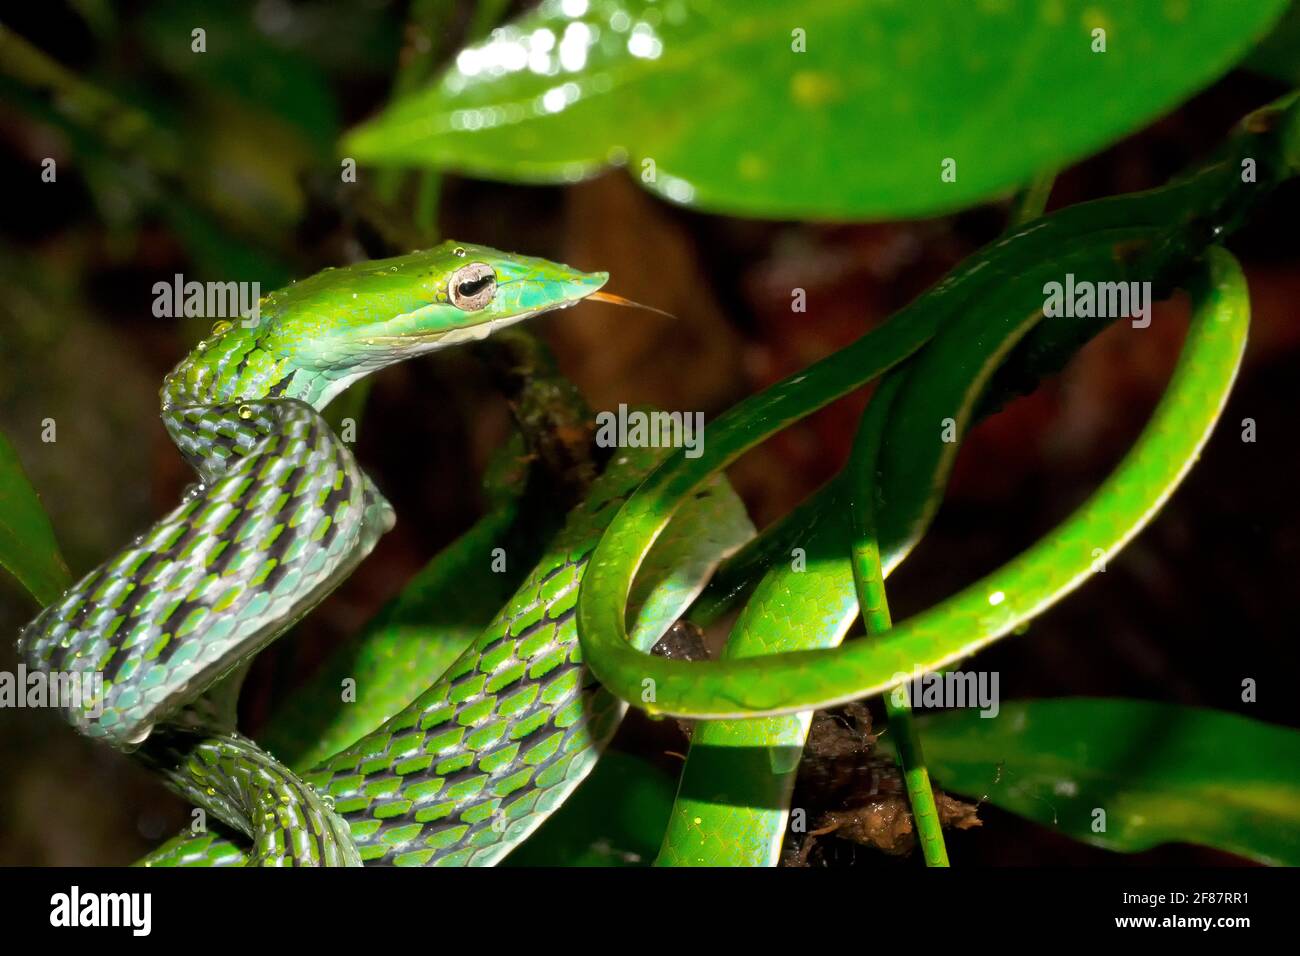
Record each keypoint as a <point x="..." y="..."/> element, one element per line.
<point x="344" y="323"/>
<point x="457" y="292"/>
<point x="311" y="339"/>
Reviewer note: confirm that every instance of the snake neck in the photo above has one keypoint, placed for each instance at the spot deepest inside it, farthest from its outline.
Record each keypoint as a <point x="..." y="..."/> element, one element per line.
<point x="235" y="364"/>
<point x="216" y="401"/>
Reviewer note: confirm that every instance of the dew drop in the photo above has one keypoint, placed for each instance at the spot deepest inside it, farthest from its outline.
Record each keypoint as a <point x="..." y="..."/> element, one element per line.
<point x="140" y="736"/>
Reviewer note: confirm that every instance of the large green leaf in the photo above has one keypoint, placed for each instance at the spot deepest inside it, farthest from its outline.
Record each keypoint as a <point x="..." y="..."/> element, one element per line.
<point x="1162" y="773"/>
<point x="858" y="125"/>
<point x="27" y="545"/>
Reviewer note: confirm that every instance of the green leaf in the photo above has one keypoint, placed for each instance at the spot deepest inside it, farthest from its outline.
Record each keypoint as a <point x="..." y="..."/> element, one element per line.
<point x="710" y="105"/>
<point x="27" y="545"/>
<point x="1161" y="772"/>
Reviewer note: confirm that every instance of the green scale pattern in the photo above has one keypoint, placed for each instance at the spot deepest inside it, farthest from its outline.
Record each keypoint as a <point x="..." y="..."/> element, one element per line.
<point x="282" y="514"/>
<point x="475" y="763"/>
<point x="472" y="766"/>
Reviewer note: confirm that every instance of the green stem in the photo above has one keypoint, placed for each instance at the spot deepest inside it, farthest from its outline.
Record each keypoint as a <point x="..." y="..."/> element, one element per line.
<point x="428" y="190"/>
<point x="1030" y="202"/>
<point x="1028" y="205"/>
<point x="428" y="21"/>
<point x="875" y="616"/>
<point x="869" y="581"/>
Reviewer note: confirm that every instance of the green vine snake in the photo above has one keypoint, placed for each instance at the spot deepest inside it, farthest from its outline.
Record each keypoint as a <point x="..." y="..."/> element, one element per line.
<point x="282" y="512"/>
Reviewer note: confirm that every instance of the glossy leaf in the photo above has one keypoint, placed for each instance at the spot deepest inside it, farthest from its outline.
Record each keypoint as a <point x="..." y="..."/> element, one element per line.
<point x="711" y="104"/>
<point x="27" y="545"/>
<point x="1162" y="773"/>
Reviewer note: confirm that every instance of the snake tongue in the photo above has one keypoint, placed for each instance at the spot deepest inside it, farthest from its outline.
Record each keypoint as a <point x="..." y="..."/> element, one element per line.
<point x="613" y="299"/>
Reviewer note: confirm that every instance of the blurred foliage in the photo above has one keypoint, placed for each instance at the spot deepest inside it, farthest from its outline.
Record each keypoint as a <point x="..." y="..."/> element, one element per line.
<point x="1278" y="54"/>
<point x="27" y="546"/>
<point x="258" y="105"/>
<point x="243" y="62"/>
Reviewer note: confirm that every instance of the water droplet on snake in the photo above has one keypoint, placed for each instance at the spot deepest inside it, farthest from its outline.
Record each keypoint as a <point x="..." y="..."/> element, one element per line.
<point x="140" y="736"/>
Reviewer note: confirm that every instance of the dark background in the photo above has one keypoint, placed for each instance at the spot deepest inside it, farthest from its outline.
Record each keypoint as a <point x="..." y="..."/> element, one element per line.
<point x="1204" y="598"/>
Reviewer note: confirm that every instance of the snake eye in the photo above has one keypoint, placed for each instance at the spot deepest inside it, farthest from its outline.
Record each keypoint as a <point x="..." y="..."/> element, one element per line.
<point x="472" y="287"/>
